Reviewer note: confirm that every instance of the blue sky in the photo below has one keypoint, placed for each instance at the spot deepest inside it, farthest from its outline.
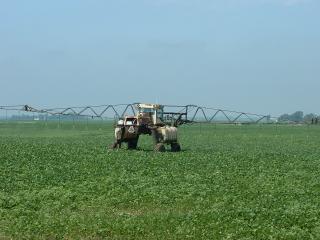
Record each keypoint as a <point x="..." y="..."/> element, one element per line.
<point x="259" y="56"/>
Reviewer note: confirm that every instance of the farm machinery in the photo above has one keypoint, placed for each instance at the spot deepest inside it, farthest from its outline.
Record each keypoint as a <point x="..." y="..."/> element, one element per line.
<point x="150" y="119"/>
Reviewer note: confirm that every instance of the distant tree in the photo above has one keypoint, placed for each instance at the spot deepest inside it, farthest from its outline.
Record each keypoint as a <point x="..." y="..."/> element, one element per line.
<point x="308" y="118"/>
<point x="284" y="118"/>
<point x="294" y="117"/>
<point x="297" y="116"/>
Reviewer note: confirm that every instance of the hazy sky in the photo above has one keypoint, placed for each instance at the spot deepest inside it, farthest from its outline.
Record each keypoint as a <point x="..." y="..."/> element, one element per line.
<point x="259" y="56"/>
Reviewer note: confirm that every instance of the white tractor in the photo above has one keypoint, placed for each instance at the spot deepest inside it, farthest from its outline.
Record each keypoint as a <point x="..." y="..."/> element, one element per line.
<point x="152" y="120"/>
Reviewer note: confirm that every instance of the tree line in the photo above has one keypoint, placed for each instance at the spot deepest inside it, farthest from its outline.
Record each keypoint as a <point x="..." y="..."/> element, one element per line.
<point x="300" y="117"/>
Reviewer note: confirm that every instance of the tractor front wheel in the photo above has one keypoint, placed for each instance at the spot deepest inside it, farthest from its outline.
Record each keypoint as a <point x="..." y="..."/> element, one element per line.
<point x="132" y="144"/>
<point x="159" y="147"/>
<point x="115" y="145"/>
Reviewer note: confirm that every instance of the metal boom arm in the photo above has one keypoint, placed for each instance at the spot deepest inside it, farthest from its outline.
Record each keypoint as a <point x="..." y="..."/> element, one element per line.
<point x="178" y="114"/>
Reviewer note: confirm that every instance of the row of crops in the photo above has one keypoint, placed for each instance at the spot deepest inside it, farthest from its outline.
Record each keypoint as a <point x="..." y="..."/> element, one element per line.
<point x="229" y="182"/>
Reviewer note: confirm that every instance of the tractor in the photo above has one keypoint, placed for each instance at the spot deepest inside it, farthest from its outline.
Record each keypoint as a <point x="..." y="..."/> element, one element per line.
<point x="152" y="120"/>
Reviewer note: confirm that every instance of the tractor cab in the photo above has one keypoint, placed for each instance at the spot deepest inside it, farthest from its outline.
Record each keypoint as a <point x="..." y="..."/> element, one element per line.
<point x="150" y="113"/>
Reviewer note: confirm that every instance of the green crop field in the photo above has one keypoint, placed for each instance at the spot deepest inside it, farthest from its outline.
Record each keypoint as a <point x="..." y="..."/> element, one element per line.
<point x="229" y="182"/>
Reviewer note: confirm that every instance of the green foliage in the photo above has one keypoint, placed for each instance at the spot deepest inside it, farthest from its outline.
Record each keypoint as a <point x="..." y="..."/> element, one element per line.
<point x="229" y="182"/>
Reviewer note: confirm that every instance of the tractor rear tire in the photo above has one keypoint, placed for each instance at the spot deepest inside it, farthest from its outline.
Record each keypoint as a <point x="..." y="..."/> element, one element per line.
<point x="159" y="147"/>
<point x="175" y="147"/>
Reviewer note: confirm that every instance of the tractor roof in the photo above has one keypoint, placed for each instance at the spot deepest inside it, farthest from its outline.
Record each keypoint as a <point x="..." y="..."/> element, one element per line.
<point x="148" y="105"/>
